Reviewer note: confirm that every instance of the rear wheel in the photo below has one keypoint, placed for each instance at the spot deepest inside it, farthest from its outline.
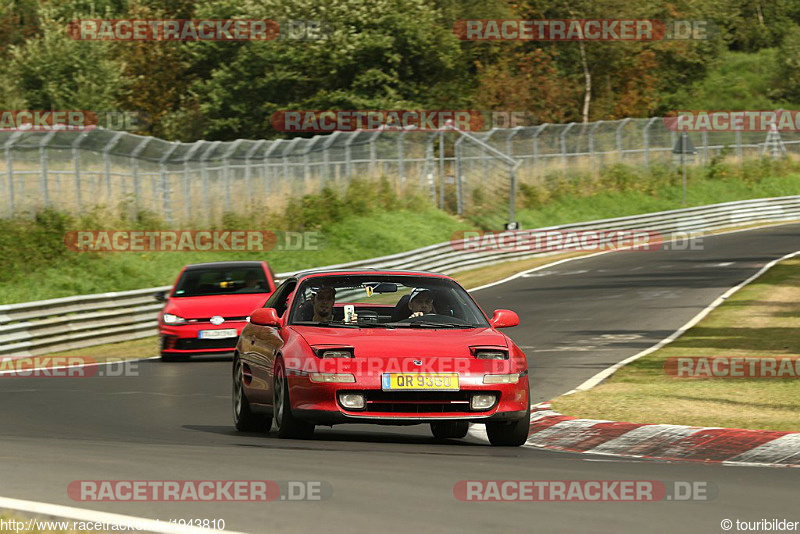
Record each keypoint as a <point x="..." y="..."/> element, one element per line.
<point x="449" y="429"/>
<point x="287" y="424"/>
<point x="243" y="417"/>
<point x="510" y="434"/>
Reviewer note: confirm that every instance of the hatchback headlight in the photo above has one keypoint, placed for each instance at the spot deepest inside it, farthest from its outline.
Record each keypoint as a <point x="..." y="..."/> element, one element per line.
<point x="169" y="318"/>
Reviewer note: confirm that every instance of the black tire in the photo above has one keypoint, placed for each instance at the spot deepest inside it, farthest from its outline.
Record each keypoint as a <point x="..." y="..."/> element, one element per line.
<point x="449" y="429"/>
<point x="243" y="417"/>
<point x="174" y="357"/>
<point x="510" y="433"/>
<point x="288" y="425"/>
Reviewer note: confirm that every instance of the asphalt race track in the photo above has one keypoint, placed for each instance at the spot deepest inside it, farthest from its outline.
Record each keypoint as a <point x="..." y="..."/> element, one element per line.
<point x="173" y="422"/>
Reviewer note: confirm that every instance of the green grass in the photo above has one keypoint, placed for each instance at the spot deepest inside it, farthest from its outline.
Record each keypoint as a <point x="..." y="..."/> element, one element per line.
<point x="365" y="222"/>
<point x="760" y="320"/>
<point x="353" y="238"/>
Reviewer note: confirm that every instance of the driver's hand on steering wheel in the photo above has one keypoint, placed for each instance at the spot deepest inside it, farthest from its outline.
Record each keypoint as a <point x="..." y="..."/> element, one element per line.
<point x="417" y="314"/>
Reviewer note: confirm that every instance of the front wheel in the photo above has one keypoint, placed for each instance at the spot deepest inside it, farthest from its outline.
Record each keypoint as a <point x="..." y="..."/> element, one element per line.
<point x="243" y="417"/>
<point x="509" y="434"/>
<point x="288" y="425"/>
<point x="449" y="429"/>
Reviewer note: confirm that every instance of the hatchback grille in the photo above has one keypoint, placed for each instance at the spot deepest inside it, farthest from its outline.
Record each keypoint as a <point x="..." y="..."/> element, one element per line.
<point x="203" y="344"/>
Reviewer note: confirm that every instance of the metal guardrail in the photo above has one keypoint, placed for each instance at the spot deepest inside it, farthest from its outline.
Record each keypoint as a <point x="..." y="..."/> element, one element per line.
<point x="41" y="327"/>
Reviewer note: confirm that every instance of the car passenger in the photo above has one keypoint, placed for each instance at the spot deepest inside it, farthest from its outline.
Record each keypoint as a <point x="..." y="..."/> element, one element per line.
<point x="419" y="302"/>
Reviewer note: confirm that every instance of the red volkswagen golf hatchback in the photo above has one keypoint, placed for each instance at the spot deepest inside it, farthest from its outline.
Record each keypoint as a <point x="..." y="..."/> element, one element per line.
<point x="208" y="306"/>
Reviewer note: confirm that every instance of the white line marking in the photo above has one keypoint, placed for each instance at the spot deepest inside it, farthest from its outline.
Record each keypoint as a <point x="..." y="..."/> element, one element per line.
<point x="81" y="514"/>
<point x="587" y="256"/>
<point x="604" y="374"/>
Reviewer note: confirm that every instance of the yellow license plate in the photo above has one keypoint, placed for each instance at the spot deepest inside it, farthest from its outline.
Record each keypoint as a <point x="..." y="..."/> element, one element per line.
<point x="420" y="381"/>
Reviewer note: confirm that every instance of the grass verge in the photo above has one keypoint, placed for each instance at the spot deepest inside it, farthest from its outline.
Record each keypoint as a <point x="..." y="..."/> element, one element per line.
<point x="367" y="221"/>
<point x="761" y="320"/>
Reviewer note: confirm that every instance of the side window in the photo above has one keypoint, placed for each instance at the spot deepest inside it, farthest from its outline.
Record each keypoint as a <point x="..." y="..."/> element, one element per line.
<point x="278" y="300"/>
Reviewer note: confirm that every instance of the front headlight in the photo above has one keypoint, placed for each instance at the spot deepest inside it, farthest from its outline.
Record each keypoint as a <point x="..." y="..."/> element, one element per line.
<point x="337" y="352"/>
<point x="501" y="379"/>
<point x="169" y="318"/>
<point x="332" y="378"/>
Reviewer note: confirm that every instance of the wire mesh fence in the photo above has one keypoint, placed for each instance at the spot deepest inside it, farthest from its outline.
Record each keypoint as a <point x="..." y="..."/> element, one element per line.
<point x="459" y="171"/>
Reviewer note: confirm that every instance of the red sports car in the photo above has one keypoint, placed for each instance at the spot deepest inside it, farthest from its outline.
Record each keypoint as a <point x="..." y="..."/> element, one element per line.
<point x="209" y="305"/>
<point x="386" y="347"/>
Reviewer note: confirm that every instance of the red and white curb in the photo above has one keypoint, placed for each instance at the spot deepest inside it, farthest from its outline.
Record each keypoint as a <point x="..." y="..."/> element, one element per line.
<point x="729" y="446"/>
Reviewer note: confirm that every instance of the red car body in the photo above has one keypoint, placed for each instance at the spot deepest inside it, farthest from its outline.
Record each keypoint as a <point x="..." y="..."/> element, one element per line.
<point x="220" y="313"/>
<point x="274" y="353"/>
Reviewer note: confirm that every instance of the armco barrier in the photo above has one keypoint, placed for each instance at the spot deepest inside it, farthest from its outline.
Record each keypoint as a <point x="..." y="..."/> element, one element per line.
<point x="35" y="328"/>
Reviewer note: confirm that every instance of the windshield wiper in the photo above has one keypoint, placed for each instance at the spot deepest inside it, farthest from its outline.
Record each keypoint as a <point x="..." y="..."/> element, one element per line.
<point x="376" y="325"/>
<point x="319" y="323"/>
<point x="440" y="325"/>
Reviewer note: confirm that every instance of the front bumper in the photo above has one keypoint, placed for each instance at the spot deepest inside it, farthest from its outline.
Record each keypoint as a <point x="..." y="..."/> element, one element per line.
<point x="318" y="402"/>
<point x="185" y="340"/>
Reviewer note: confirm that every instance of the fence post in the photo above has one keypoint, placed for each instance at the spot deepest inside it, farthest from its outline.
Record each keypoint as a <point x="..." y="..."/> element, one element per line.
<point x="248" y="172"/>
<point x="165" y="186"/>
<point x="77" y="166"/>
<point x="592" y="147"/>
<point x="137" y="188"/>
<point x="459" y="185"/>
<point x="564" y="144"/>
<point x="704" y="137"/>
<point x="484" y="159"/>
<point x="187" y="192"/>
<point x="441" y="170"/>
<point x="536" y="134"/>
<point x="401" y="164"/>
<point x="739" y="147"/>
<point x="43" y="158"/>
<point x="107" y="163"/>
<point x="373" y="153"/>
<point x="620" y="150"/>
<point x="348" y="156"/>
<point x="226" y="167"/>
<point x="273" y="145"/>
<point x="10" y="170"/>
<point x="646" y="139"/>
<point x="204" y="175"/>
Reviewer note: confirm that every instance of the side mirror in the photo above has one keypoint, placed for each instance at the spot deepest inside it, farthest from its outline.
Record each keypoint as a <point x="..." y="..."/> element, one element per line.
<point x="504" y="319"/>
<point x="265" y="317"/>
<point x="160" y="296"/>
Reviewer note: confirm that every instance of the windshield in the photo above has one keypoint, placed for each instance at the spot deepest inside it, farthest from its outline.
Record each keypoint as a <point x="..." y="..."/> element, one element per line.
<point x="384" y="301"/>
<point x="221" y="281"/>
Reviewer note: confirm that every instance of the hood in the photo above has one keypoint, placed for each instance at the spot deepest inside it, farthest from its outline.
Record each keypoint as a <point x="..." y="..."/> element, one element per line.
<point x="224" y="305"/>
<point x="408" y="342"/>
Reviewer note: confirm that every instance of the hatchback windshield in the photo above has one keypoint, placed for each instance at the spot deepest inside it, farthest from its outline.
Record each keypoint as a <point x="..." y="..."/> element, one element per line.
<point x="384" y="301"/>
<point x="221" y="281"/>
